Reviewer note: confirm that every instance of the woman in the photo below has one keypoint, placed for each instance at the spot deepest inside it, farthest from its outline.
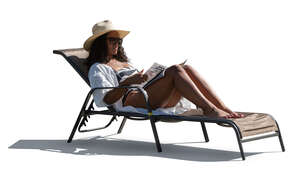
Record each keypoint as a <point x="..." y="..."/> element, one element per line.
<point x="109" y="66"/>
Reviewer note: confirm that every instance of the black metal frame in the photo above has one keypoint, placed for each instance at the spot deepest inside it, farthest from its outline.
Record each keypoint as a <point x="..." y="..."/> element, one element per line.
<point x="86" y="111"/>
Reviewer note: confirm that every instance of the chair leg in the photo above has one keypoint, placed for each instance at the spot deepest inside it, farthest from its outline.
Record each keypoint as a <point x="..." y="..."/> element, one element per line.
<point x="281" y="142"/>
<point x="280" y="138"/>
<point x="75" y="126"/>
<point x="238" y="136"/>
<point x="122" y="125"/>
<point x="158" y="146"/>
<point x="81" y="114"/>
<point x="241" y="147"/>
<point x="204" y="131"/>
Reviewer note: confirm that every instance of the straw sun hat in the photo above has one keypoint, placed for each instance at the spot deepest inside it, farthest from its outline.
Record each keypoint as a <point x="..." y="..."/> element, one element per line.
<point x="100" y="29"/>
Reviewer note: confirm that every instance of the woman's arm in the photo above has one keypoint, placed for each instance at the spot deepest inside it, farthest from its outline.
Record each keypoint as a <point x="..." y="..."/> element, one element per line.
<point x="115" y="94"/>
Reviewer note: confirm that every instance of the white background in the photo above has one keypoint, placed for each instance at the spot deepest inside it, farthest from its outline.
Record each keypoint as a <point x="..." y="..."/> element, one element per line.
<point x="248" y="51"/>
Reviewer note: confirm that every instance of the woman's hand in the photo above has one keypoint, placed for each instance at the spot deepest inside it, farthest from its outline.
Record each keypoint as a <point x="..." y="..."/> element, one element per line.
<point x="137" y="78"/>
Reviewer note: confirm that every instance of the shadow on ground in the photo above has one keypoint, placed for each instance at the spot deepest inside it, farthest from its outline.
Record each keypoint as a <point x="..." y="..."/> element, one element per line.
<point x="113" y="146"/>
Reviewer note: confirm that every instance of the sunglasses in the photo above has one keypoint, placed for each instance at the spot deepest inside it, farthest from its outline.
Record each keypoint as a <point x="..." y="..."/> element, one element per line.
<point x="113" y="40"/>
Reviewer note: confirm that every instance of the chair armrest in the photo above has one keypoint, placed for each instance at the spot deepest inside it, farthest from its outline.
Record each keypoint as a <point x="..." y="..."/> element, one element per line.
<point x="140" y="89"/>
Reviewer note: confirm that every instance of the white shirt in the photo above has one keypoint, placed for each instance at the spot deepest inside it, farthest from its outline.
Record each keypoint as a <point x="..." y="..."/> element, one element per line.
<point x="102" y="75"/>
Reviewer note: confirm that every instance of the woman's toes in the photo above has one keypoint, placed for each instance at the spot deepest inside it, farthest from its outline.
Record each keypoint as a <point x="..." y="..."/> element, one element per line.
<point x="229" y="116"/>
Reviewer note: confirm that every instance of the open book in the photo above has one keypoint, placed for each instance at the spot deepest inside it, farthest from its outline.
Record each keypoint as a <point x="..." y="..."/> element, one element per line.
<point x="155" y="72"/>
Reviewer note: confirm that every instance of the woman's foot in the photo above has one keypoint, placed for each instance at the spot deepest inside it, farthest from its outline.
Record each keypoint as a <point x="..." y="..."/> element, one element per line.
<point x="234" y="114"/>
<point x="216" y="112"/>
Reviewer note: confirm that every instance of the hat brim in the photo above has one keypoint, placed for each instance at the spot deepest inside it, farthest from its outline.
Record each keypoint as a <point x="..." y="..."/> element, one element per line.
<point x="88" y="43"/>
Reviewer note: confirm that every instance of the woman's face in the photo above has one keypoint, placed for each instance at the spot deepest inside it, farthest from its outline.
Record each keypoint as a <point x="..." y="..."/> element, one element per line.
<point x="112" y="43"/>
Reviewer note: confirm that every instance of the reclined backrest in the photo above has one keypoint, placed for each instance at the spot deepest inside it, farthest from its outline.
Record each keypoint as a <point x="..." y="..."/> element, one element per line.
<point x="77" y="59"/>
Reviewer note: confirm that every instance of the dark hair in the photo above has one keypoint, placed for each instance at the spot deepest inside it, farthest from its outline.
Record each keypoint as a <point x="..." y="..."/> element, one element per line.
<point x="98" y="52"/>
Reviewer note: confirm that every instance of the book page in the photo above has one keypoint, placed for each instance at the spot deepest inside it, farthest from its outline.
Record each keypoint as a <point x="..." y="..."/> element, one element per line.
<point x="154" y="71"/>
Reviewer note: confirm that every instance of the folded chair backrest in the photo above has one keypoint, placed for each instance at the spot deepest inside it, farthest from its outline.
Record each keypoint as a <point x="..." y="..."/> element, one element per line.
<point x="77" y="59"/>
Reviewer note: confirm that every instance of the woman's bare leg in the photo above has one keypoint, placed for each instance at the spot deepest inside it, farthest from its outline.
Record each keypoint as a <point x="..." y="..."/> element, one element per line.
<point x="206" y="90"/>
<point x="160" y="91"/>
<point x="173" y="99"/>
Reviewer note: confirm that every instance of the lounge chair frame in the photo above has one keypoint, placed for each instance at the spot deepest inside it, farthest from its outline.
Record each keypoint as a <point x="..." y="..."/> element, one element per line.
<point x="88" y="110"/>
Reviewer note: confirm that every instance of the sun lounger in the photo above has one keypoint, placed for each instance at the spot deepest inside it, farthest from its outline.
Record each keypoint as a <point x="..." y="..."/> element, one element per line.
<point x="254" y="126"/>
